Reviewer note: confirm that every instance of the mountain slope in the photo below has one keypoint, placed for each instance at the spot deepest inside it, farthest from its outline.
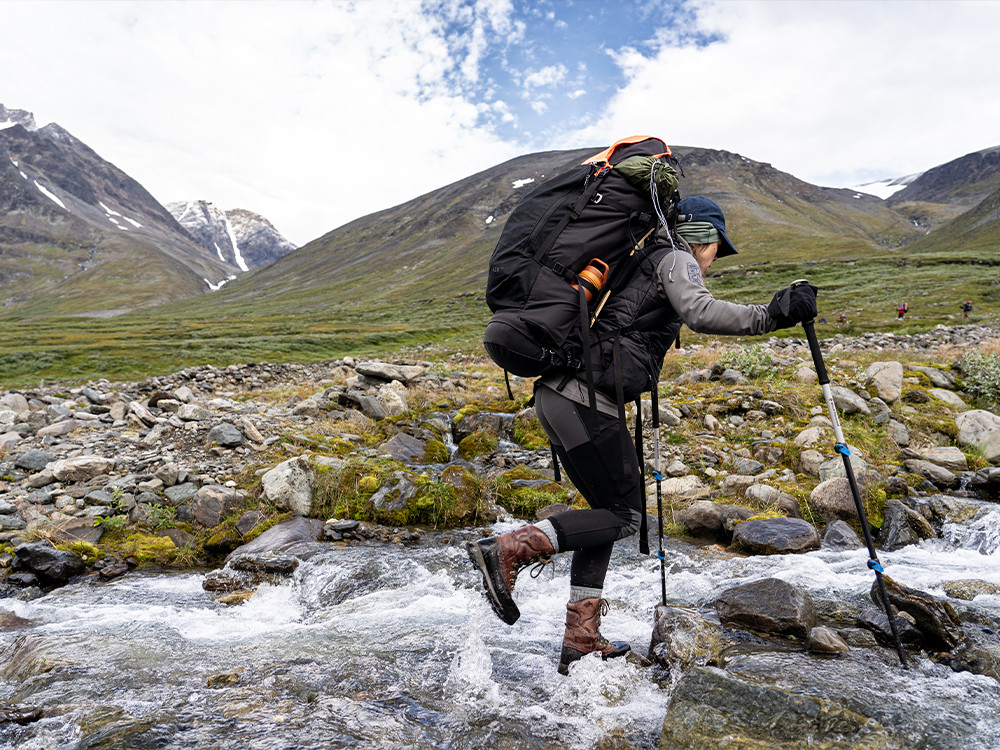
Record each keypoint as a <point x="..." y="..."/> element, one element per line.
<point x="942" y="193"/>
<point x="241" y="238"/>
<point x="439" y="244"/>
<point x="79" y="236"/>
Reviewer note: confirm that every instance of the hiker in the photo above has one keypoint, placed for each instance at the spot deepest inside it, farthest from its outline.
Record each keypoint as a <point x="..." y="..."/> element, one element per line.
<point x="843" y="320"/>
<point x="966" y="308"/>
<point x="901" y="310"/>
<point x="593" y="448"/>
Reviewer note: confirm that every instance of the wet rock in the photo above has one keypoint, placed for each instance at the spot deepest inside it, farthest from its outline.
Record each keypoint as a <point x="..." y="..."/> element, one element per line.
<point x="19" y="713"/>
<point x="776" y="536"/>
<point x="52" y="566"/>
<point x="683" y="637"/>
<point x="289" y="485"/>
<point x="248" y="520"/>
<point x="970" y="588"/>
<point x="978" y="652"/>
<point x="839" y="535"/>
<point x="823" y="640"/>
<point x="264" y="563"/>
<point x="903" y="526"/>
<point x="769" y="606"/>
<point x="980" y="429"/>
<point x="936" y="619"/>
<point x="285" y="537"/>
<point x="876" y="622"/>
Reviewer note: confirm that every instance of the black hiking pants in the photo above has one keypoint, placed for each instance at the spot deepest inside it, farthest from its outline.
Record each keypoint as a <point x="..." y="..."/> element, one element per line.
<point x="605" y="474"/>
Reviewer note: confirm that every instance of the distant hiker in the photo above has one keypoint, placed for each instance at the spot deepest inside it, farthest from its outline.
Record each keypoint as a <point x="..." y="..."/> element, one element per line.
<point x="821" y="320"/>
<point x="901" y="310"/>
<point x="843" y="320"/>
<point x="593" y="446"/>
<point x="966" y="308"/>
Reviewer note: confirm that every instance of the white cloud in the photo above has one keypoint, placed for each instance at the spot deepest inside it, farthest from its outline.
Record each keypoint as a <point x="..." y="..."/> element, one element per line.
<point x="550" y="75"/>
<point x="834" y="92"/>
<point x="300" y="111"/>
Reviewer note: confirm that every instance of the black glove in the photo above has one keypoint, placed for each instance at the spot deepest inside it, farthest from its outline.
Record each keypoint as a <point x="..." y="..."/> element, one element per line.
<point x="793" y="305"/>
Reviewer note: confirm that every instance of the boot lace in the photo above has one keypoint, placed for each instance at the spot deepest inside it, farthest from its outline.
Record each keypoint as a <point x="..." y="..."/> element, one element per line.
<point x="539" y="566"/>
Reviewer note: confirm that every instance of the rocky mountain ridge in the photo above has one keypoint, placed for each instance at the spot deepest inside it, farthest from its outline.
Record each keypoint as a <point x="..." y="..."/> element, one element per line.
<point x="241" y="238"/>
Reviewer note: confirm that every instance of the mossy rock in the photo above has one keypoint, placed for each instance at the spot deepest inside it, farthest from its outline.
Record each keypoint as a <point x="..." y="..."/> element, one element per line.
<point x="524" y="492"/>
<point x="479" y="443"/>
<point x="528" y="433"/>
<point x="470" y="506"/>
<point x="436" y="452"/>
<point x="145" y="548"/>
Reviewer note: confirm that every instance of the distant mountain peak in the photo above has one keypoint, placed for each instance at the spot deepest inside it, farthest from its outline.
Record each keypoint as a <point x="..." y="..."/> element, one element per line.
<point x="11" y="117"/>
<point x="238" y="237"/>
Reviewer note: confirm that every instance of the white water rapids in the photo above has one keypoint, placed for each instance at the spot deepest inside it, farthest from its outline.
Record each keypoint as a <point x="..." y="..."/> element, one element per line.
<point x="391" y="646"/>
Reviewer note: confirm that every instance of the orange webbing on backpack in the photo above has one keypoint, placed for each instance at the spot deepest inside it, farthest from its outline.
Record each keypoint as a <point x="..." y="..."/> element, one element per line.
<point x="605" y="156"/>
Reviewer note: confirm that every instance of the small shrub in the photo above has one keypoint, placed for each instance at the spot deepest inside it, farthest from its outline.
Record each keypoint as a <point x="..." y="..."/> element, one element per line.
<point x="981" y="375"/>
<point x="753" y="361"/>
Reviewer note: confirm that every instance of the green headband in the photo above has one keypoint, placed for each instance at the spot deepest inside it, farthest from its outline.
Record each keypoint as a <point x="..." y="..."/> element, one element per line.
<point x="698" y="232"/>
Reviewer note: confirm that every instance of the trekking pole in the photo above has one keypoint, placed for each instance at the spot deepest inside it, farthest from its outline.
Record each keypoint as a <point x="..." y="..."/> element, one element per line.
<point x="659" y="491"/>
<point x="844" y="451"/>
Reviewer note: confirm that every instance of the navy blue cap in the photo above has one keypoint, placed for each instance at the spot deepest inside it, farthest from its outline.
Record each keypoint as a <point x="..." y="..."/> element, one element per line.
<point x="700" y="208"/>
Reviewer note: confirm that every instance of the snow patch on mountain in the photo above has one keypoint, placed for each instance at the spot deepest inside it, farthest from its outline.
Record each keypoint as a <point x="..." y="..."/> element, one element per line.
<point x="49" y="194"/>
<point x="885" y="188"/>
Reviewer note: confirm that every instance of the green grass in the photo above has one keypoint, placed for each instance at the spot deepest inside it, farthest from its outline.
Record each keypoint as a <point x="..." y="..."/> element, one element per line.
<point x="287" y="329"/>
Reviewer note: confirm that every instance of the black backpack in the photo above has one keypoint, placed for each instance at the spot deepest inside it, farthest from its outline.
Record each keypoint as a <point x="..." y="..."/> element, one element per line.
<point x="603" y="209"/>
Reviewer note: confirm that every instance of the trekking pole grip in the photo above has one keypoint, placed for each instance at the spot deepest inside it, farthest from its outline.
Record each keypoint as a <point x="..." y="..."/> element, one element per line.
<point x="817" y="354"/>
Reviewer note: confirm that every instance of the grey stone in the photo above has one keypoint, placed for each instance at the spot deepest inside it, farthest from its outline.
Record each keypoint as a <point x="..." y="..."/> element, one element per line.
<point x="289" y="485"/>
<point x="770" y="606"/>
<point x="389" y="372"/>
<point x="981" y="429"/>
<point x="180" y="494"/>
<point x="683" y="637"/>
<point x="823" y="640"/>
<point x="81" y="468"/>
<point x="394" y="494"/>
<point x="839" y="535"/>
<point x="940" y="476"/>
<point x="226" y="435"/>
<point x="848" y="402"/>
<point x="34" y="460"/>
<point x="702" y="519"/>
<point x="52" y="566"/>
<point x="194" y="413"/>
<point x="776" y="536"/>
<point x="213" y="502"/>
<point x="284" y="538"/>
<point x="887" y="378"/>
<point x="833" y="499"/>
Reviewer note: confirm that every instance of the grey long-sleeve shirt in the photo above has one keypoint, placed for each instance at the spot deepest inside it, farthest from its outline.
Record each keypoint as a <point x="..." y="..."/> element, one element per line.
<point x="682" y="288"/>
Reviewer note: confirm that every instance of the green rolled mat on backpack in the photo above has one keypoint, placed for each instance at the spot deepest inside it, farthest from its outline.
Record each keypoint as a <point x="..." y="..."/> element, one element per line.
<point x="636" y="170"/>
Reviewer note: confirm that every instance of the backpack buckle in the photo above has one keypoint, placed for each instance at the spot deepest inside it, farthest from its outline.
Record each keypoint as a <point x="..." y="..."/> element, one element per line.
<point x="598" y="197"/>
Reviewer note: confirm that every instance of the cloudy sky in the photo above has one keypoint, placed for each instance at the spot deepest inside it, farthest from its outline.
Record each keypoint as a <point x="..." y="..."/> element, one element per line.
<point x="316" y="113"/>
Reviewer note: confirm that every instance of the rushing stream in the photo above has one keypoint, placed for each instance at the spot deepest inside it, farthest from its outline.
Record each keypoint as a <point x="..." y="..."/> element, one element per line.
<point x="389" y="646"/>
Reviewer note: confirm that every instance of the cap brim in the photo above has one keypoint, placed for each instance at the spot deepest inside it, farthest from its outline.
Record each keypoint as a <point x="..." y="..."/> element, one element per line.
<point x="725" y="246"/>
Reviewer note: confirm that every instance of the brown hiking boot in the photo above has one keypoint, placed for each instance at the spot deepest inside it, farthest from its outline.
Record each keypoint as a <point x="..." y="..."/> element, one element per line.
<point x="499" y="558"/>
<point x="583" y="635"/>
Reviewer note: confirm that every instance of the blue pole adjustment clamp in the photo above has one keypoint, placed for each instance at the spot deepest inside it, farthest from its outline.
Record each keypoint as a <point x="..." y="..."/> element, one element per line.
<point x="657" y="476"/>
<point x="661" y="556"/>
<point x="842" y="449"/>
<point x="876" y="566"/>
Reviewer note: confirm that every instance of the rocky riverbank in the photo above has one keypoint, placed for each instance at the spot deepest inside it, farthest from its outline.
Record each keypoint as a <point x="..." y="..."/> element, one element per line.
<point x="241" y="467"/>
